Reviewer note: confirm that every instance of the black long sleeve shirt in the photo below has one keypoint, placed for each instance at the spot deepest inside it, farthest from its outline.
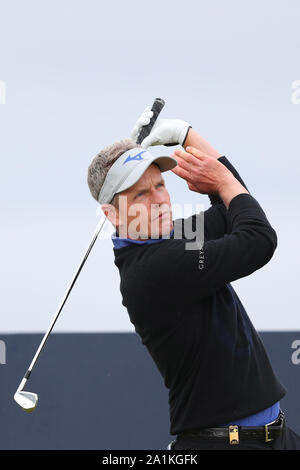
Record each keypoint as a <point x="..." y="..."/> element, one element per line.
<point x="191" y="320"/>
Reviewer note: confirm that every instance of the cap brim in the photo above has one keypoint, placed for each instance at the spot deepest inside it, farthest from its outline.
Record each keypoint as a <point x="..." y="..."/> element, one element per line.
<point x="164" y="162"/>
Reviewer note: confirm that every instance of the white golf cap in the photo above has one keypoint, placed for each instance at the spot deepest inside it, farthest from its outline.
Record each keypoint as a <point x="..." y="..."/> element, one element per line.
<point x="128" y="169"/>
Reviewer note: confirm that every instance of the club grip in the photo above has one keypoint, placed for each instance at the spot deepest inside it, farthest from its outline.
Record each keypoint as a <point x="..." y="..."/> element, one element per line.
<point x="145" y="130"/>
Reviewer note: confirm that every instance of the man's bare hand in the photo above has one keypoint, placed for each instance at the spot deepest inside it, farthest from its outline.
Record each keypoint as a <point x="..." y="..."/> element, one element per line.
<point x="203" y="174"/>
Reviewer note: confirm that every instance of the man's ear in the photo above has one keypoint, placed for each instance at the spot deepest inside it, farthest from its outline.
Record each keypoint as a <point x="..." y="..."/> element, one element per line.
<point x="111" y="213"/>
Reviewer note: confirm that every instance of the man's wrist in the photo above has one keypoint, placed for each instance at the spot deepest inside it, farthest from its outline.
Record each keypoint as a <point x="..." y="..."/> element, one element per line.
<point x="229" y="188"/>
<point x="193" y="139"/>
<point x="186" y="134"/>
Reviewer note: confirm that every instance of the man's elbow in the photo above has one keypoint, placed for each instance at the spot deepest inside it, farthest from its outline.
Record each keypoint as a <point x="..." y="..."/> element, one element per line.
<point x="271" y="246"/>
<point x="274" y="240"/>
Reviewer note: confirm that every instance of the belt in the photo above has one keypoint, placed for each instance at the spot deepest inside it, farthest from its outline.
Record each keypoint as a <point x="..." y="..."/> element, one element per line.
<point x="235" y="433"/>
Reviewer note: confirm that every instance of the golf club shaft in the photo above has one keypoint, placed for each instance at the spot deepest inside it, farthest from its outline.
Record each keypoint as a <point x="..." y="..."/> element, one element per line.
<point x="94" y="238"/>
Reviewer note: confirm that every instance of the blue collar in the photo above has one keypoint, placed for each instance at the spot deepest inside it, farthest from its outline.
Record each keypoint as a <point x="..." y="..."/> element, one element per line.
<point x="121" y="242"/>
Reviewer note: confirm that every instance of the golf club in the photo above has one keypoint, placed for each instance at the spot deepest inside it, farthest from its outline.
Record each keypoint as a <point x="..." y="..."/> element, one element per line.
<point x="28" y="400"/>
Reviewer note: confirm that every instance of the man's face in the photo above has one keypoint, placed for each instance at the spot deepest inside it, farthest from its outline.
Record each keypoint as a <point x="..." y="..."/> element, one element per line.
<point x="141" y="207"/>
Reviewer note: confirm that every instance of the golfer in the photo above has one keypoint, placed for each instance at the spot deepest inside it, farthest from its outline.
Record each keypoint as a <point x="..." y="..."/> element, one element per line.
<point x="223" y="392"/>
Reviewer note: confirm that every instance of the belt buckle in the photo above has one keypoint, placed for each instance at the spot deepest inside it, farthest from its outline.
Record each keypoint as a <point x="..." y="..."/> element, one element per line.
<point x="280" y="418"/>
<point x="233" y="434"/>
<point x="267" y="434"/>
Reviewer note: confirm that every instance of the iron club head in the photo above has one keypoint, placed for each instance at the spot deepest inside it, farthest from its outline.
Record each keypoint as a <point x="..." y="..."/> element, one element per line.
<point x="27" y="400"/>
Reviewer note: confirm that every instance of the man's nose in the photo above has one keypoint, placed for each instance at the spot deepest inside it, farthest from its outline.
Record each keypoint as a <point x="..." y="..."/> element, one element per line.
<point x="159" y="205"/>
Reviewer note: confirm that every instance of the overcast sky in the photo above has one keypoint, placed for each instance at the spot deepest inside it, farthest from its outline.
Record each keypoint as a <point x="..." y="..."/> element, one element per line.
<point x="75" y="77"/>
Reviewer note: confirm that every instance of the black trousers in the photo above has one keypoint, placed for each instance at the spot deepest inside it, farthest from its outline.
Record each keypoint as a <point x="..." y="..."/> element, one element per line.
<point x="288" y="440"/>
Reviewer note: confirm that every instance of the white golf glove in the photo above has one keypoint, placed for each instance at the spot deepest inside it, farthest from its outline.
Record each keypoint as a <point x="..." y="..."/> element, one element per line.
<point x="164" y="132"/>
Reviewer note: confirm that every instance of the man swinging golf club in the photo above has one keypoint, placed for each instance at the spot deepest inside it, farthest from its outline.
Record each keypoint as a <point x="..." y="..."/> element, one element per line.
<point x="223" y="392"/>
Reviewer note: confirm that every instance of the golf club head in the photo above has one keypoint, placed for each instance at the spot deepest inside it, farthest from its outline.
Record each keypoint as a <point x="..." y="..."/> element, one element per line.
<point x="26" y="400"/>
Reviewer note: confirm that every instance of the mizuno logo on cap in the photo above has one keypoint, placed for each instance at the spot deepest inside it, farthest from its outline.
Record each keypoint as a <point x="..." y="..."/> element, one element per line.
<point x="138" y="156"/>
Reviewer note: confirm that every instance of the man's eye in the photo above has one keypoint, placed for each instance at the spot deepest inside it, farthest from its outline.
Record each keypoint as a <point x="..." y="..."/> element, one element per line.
<point x="140" y="194"/>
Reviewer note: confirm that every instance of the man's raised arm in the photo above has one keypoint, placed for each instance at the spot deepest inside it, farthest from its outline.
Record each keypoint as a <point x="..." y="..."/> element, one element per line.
<point x="215" y="217"/>
<point x="193" y="139"/>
